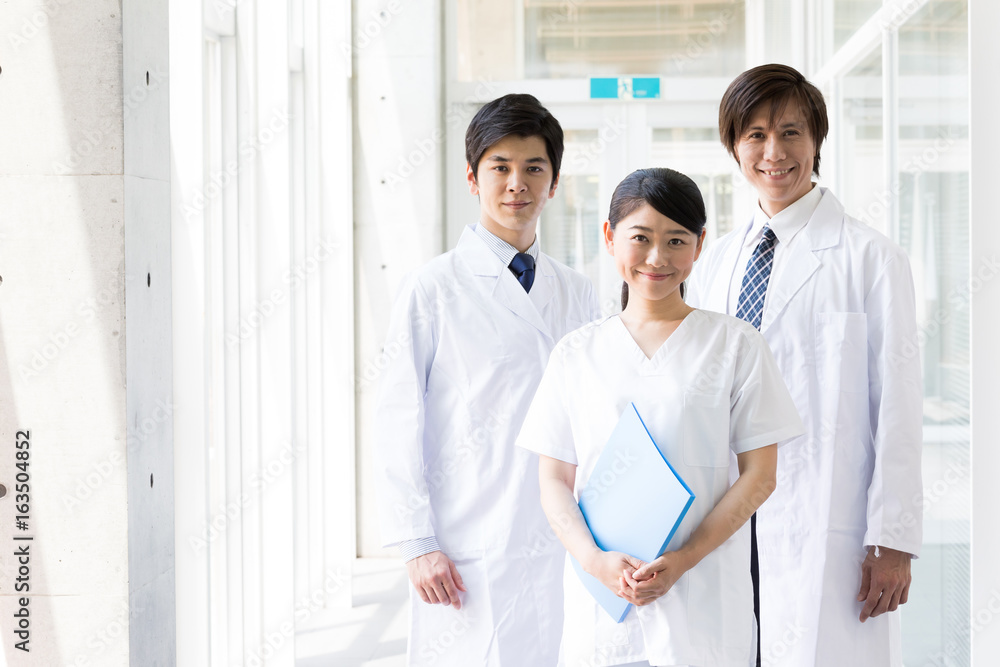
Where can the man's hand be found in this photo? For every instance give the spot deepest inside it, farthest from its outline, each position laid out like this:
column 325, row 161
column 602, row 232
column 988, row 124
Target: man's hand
column 885, row 581
column 436, row 579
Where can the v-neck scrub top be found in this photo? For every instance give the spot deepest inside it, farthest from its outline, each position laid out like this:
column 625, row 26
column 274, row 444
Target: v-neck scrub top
column 712, row 390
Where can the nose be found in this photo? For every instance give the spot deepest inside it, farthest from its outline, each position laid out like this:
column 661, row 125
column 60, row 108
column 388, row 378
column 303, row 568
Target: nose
column 657, row 256
column 774, row 150
column 515, row 181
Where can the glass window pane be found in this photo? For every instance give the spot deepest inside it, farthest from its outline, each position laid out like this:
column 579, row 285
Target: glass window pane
column 849, row 15
column 934, row 230
column 860, row 145
column 547, row 39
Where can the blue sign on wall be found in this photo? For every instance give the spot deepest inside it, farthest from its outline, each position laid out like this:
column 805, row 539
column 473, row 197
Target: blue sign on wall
column 625, row 87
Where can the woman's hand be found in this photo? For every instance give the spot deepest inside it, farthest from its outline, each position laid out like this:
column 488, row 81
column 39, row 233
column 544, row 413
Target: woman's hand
column 609, row 567
column 652, row 580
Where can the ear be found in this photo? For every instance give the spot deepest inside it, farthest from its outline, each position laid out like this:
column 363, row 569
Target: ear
column 552, row 188
column 701, row 240
column 609, row 238
column 471, row 177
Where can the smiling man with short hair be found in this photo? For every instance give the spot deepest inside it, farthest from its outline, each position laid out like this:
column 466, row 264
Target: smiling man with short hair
column 475, row 327
column 835, row 301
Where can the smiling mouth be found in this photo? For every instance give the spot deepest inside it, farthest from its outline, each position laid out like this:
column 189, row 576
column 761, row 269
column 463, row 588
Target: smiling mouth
column 780, row 172
column 656, row 276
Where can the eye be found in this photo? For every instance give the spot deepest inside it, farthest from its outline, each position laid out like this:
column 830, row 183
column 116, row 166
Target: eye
column 535, row 169
column 676, row 242
column 641, row 238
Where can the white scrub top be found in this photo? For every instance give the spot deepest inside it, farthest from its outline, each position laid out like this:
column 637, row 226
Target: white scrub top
column 711, row 390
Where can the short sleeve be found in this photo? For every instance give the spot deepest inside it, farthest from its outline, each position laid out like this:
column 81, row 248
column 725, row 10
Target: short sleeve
column 547, row 428
column 761, row 409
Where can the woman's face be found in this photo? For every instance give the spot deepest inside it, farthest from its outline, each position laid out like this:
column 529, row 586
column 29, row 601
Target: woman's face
column 653, row 254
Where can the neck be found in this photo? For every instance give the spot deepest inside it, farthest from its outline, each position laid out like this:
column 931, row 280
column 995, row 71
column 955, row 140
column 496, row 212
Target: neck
column 639, row 310
column 521, row 239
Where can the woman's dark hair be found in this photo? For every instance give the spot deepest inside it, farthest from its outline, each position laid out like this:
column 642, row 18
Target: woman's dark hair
column 669, row 192
column 774, row 86
column 518, row 114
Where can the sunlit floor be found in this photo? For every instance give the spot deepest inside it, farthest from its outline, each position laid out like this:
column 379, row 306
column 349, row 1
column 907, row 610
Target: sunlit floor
column 373, row 633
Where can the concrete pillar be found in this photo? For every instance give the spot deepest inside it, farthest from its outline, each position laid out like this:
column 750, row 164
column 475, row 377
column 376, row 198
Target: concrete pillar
column 85, row 383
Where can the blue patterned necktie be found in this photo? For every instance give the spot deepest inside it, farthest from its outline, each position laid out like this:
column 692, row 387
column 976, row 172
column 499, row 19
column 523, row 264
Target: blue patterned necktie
column 750, row 306
column 523, row 266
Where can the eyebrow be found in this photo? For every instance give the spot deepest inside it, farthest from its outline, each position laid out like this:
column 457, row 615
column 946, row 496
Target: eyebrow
column 672, row 232
column 782, row 127
column 500, row 158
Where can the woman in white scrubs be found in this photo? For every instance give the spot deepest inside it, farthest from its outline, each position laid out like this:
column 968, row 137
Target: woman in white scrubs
column 707, row 388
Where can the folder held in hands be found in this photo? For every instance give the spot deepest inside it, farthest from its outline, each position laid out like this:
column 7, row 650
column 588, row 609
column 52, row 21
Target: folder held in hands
column 633, row 503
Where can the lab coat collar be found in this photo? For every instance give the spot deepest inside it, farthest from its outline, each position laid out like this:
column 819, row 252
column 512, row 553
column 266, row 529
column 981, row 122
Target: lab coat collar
column 822, row 230
column 787, row 222
column 503, row 286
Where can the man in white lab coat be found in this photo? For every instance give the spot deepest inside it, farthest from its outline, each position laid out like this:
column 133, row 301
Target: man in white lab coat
column 835, row 301
column 473, row 330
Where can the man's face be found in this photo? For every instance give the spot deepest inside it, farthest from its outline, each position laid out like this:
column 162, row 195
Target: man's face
column 777, row 160
column 515, row 180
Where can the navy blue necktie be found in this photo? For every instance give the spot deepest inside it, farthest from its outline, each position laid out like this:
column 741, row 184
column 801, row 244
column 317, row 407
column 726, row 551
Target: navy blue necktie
column 750, row 306
column 523, row 266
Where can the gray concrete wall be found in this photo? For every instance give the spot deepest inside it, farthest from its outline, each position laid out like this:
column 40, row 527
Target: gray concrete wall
column 62, row 331
column 84, row 349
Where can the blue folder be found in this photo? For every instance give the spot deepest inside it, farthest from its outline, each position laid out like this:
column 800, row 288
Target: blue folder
column 633, row 503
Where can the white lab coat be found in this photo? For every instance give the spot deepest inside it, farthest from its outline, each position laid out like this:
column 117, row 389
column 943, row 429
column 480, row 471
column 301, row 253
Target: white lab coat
column 710, row 391
column 467, row 348
column 840, row 320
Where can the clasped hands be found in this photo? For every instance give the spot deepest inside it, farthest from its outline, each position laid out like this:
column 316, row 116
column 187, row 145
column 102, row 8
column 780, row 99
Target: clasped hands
column 635, row 581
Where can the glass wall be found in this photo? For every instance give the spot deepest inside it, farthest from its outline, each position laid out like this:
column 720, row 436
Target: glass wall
column 552, row 39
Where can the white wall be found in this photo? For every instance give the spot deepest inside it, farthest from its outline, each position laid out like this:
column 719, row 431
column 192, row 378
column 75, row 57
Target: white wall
column 399, row 152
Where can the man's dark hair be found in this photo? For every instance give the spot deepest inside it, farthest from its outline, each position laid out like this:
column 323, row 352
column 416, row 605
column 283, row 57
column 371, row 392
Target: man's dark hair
column 776, row 86
column 518, row 114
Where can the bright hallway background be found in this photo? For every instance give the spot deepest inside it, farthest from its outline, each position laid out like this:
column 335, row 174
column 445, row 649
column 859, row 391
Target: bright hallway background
column 249, row 181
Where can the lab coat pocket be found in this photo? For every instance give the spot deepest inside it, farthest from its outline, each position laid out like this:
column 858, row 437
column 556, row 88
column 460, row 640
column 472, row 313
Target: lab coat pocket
column 705, row 430
column 842, row 351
